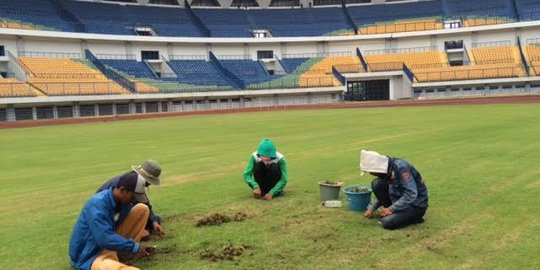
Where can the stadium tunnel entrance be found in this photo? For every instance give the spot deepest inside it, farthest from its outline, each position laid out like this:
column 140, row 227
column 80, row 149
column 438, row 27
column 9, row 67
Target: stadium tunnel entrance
column 368, row 90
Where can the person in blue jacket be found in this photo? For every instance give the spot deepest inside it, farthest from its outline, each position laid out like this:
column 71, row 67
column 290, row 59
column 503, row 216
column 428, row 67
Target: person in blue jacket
column 150, row 170
column 398, row 188
column 96, row 240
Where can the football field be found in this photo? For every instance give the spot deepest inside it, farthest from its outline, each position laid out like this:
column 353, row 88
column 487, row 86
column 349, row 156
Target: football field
column 480, row 164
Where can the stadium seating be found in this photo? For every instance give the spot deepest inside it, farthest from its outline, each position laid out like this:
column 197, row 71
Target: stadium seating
column 482, row 12
column 251, row 72
column 64, row 76
column 533, row 52
column 10, row 87
column 394, row 61
column 496, row 55
column 132, row 68
column 123, row 19
column 529, row 10
column 402, row 26
column 488, row 62
column 302, row 22
column 191, row 72
column 33, row 14
column 226, row 22
column 415, row 16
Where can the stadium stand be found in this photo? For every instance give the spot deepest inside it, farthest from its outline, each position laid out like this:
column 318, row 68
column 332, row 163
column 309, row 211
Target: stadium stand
column 398, row 17
column 432, row 65
column 124, row 19
column 65, row 76
column 474, row 13
column 226, row 22
column 533, row 52
column 422, row 57
column 528, row 10
column 10, row 87
column 191, row 72
column 133, row 19
column 302, row 22
column 33, row 14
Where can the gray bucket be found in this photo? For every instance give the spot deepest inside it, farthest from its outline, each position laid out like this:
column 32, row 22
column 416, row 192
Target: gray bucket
column 329, row 192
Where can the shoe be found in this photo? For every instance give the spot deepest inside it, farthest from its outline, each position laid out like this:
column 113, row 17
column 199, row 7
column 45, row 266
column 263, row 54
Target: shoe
column 420, row 220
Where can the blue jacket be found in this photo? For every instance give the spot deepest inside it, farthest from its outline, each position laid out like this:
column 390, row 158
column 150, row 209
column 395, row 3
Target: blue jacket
column 125, row 208
column 406, row 187
column 95, row 231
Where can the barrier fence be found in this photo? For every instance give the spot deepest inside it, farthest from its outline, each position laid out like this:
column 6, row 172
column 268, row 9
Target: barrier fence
column 468, row 74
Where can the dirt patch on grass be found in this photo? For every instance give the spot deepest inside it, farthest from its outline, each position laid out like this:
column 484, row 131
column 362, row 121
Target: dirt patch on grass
column 228, row 252
column 217, row 219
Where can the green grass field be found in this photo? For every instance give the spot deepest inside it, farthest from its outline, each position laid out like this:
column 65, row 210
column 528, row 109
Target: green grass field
column 480, row 164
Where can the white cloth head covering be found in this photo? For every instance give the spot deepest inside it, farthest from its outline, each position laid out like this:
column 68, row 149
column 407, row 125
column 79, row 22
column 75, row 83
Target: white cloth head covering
column 371, row 161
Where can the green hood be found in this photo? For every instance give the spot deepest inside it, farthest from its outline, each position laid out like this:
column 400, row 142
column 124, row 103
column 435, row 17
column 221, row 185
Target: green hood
column 266, row 148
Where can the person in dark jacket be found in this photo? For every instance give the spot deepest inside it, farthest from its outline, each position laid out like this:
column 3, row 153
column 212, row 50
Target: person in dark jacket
column 398, row 188
column 96, row 239
column 150, row 171
column 266, row 171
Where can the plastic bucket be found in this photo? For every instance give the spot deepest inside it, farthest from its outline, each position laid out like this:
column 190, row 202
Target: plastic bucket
column 329, row 192
column 358, row 201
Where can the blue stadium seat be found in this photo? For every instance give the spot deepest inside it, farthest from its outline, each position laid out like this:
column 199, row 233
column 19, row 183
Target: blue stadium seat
column 38, row 12
column 370, row 14
column 122, row 19
column 529, row 10
column 130, row 67
column 248, row 71
column 198, row 72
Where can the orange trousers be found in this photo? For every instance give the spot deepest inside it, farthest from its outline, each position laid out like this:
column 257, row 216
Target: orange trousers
column 132, row 227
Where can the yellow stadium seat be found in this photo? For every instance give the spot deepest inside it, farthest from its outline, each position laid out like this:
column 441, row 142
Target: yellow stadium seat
column 64, row 76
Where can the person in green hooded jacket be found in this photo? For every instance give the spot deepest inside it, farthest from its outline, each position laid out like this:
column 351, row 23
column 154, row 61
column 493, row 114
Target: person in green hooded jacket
column 266, row 171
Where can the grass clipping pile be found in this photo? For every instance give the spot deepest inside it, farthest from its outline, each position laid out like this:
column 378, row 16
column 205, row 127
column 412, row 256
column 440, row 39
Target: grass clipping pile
column 228, row 252
column 217, row 219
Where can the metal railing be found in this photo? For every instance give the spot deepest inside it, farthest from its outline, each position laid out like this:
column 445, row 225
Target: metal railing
column 402, row 50
column 349, row 68
column 105, row 56
column 65, row 75
column 49, row 54
column 79, row 88
column 533, row 41
column 502, row 43
column 399, row 27
column 187, row 57
column 495, row 61
column 15, row 89
column 315, row 55
column 468, row 74
column 233, row 56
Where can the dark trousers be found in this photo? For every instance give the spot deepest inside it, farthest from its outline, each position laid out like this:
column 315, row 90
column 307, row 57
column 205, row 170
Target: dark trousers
column 266, row 176
column 410, row 215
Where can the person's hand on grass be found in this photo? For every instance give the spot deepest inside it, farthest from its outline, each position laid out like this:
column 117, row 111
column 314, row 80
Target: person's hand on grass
column 257, row 193
column 386, row 212
column 143, row 252
column 157, row 228
column 368, row 213
column 268, row 196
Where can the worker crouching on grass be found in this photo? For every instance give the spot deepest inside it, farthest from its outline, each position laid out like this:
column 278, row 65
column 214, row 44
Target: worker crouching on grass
column 266, row 171
column 96, row 239
column 399, row 189
column 150, row 171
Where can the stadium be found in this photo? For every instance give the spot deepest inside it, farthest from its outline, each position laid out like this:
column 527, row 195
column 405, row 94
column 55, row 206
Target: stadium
column 450, row 85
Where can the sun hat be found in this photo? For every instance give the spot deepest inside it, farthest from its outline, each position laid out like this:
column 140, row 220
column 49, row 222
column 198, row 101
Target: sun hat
column 135, row 183
column 150, row 170
column 371, row 161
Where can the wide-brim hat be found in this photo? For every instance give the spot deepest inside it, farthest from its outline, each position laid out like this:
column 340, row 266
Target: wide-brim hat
column 373, row 162
column 150, row 170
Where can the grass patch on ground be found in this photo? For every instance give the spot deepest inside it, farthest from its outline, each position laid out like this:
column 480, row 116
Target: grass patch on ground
column 479, row 163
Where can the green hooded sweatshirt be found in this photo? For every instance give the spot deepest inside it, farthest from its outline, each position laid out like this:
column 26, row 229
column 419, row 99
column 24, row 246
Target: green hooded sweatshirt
column 266, row 148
